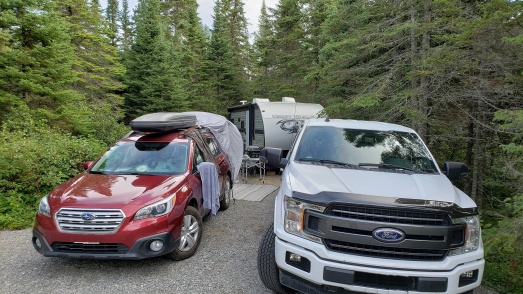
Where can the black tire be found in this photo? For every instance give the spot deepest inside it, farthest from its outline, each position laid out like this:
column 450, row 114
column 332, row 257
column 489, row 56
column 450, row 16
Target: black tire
column 267, row 268
column 225, row 201
column 190, row 236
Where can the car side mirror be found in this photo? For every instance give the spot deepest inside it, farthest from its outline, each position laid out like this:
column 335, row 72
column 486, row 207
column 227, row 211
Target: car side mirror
column 455, row 170
column 86, row 165
column 274, row 156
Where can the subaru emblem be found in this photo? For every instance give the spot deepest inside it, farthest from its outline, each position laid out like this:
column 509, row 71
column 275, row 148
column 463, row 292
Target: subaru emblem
column 88, row 216
column 388, row 235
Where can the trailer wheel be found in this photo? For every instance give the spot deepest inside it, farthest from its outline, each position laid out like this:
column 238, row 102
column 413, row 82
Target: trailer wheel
column 267, row 268
column 190, row 236
column 227, row 192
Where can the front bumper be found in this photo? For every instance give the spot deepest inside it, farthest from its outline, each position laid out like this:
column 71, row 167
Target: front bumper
column 327, row 276
column 94, row 250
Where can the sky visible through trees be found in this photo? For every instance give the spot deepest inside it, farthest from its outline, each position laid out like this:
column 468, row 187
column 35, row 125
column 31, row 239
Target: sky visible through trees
column 205, row 11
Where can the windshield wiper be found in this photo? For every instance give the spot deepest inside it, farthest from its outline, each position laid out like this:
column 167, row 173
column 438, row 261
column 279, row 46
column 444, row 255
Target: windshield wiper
column 328, row 161
column 97, row 172
column 389, row 166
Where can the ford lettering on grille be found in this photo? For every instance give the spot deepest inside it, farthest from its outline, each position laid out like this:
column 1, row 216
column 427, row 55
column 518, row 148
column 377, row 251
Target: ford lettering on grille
column 388, row 235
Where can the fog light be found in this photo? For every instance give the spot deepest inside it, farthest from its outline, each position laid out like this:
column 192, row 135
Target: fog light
column 294, row 257
column 156, row 245
column 38, row 243
column 298, row 261
column 468, row 278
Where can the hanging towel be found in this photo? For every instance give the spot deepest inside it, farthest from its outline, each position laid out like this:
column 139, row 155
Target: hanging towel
column 210, row 186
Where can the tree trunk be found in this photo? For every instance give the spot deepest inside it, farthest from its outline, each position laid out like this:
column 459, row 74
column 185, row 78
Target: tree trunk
column 475, row 175
column 469, row 155
column 413, row 60
column 424, row 81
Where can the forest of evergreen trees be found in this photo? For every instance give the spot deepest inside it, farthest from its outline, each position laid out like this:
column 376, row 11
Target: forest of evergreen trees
column 72, row 75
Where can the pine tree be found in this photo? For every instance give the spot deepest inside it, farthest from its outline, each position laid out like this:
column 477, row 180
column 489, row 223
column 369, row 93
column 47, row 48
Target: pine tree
column 111, row 15
column 220, row 67
column 315, row 14
column 36, row 58
column 127, row 28
column 262, row 55
column 239, row 37
column 190, row 44
column 96, row 64
column 152, row 66
column 289, row 52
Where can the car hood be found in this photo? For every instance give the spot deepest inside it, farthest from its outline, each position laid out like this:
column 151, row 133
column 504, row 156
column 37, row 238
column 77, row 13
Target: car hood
column 112, row 191
column 312, row 179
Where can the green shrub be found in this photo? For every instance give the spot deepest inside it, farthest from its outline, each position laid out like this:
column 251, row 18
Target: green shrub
column 503, row 242
column 33, row 160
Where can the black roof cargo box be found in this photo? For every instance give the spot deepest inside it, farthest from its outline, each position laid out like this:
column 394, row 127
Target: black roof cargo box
column 163, row 122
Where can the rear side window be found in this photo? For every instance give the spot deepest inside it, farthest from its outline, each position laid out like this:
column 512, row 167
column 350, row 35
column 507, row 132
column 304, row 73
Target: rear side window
column 214, row 146
column 198, row 158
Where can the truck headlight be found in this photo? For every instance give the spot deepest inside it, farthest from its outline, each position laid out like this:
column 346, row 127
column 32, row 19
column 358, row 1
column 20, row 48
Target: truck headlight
column 472, row 234
column 294, row 217
column 156, row 209
column 44, row 208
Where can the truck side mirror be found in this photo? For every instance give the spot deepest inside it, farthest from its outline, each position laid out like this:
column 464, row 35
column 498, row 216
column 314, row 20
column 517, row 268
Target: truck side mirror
column 283, row 162
column 455, row 170
column 274, row 156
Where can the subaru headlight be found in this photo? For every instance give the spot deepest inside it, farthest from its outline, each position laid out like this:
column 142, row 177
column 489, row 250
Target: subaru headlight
column 156, row 209
column 294, row 217
column 43, row 207
column 472, row 234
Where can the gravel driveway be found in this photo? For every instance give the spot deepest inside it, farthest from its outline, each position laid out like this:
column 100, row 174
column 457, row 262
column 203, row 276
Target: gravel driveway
column 224, row 263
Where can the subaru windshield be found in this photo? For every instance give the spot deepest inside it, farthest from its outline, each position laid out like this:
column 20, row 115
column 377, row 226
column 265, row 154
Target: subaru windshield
column 154, row 158
column 383, row 150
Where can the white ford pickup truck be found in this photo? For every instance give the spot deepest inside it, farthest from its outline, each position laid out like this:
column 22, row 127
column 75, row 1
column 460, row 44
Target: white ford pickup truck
column 364, row 208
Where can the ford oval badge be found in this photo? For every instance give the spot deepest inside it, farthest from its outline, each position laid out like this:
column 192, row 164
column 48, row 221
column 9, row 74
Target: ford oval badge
column 388, row 235
column 88, row 216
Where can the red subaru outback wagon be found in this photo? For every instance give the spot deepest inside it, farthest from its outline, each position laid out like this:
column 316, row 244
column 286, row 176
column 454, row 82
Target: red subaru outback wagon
column 142, row 198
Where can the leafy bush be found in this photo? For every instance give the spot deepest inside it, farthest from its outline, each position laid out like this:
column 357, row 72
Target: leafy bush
column 503, row 242
column 33, row 160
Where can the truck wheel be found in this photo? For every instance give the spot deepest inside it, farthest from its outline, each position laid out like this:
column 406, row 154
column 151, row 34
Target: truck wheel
column 267, row 268
column 190, row 236
column 226, row 200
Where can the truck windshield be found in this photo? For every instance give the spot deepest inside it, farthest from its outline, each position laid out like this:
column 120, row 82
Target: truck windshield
column 365, row 148
column 155, row 158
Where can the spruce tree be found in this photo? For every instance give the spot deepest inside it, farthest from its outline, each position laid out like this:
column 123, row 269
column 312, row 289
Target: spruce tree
column 262, row 55
column 126, row 37
column 190, row 44
column 152, row 66
column 36, row 59
column 315, row 14
column 290, row 66
column 239, row 37
column 111, row 15
column 220, row 67
column 97, row 65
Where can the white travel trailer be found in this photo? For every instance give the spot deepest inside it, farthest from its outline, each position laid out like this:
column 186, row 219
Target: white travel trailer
column 263, row 123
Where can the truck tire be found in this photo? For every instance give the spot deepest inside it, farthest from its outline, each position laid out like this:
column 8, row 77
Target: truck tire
column 190, row 236
column 267, row 268
column 227, row 194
